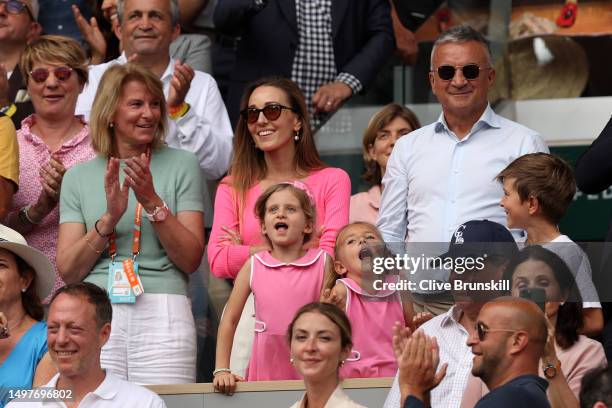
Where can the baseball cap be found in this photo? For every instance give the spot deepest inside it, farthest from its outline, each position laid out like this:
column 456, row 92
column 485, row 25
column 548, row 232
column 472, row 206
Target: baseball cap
column 479, row 238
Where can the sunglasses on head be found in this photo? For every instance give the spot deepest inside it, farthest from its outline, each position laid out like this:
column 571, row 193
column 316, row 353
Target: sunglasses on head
column 271, row 112
column 447, row 72
column 16, row 7
column 482, row 330
column 40, row 75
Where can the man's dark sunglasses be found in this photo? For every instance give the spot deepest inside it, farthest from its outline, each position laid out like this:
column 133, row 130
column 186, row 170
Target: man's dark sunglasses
column 447, row 72
column 271, row 112
column 482, row 330
column 16, row 7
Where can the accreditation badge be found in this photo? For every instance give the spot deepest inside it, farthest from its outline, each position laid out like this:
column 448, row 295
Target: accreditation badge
column 120, row 279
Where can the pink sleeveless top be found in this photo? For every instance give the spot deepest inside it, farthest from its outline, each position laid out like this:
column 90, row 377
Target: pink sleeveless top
column 280, row 289
column 372, row 317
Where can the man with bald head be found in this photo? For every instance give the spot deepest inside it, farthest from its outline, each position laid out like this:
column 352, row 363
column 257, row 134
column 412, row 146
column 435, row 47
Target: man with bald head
column 507, row 344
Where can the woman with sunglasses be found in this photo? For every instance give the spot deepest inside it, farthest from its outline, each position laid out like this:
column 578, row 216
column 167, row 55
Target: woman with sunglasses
column 132, row 223
column 51, row 140
column 385, row 128
column 273, row 143
column 568, row 355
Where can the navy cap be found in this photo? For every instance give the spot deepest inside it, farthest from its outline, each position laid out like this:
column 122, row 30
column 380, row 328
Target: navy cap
column 480, row 237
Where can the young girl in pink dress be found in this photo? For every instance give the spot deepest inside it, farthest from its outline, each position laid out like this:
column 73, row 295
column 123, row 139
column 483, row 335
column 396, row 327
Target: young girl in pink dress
column 282, row 280
column 372, row 313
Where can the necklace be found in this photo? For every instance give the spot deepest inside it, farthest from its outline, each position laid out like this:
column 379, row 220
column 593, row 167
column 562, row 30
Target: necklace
column 6, row 331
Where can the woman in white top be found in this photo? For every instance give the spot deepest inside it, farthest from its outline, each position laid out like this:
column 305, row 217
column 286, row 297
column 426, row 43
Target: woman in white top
column 320, row 341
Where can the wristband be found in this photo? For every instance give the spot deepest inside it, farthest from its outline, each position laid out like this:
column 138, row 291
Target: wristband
column 179, row 111
column 99, row 233
column 221, row 370
column 23, row 215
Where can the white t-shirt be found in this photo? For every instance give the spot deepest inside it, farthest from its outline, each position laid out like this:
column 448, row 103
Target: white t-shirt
column 578, row 263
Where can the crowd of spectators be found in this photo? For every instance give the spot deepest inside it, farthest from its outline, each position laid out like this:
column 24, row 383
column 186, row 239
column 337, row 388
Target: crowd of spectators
column 116, row 122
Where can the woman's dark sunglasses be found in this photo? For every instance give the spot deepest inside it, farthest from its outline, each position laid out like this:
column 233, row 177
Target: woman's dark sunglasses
column 271, row 112
column 447, row 72
column 40, row 75
column 482, row 330
column 16, row 7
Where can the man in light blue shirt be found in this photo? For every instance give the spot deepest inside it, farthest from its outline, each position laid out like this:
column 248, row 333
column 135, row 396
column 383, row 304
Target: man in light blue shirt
column 443, row 174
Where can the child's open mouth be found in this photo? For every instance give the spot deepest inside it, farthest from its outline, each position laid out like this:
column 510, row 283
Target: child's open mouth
column 365, row 253
column 281, row 226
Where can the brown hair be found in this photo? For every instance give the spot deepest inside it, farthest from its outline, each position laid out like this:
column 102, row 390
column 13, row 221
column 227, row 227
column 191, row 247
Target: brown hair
column 307, row 205
column 248, row 164
column 55, row 49
column 106, row 101
column 382, row 118
column 92, row 294
column 333, row 313
column 546, row 177
column 29, row 299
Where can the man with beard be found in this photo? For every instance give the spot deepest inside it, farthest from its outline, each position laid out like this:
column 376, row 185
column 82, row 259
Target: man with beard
column 507, row 344
column 494, row 244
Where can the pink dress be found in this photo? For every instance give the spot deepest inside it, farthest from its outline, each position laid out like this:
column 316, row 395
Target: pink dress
column 331, row 188
column 372, row 317
column 280, row 289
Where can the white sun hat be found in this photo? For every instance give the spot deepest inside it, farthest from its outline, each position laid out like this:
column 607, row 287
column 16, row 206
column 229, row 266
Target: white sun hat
column 14, row 242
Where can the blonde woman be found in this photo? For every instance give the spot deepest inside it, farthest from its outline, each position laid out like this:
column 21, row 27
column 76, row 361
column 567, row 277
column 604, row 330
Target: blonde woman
column 136, row 209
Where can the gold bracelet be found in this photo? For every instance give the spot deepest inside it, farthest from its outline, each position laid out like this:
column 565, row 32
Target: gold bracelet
column 92, row 247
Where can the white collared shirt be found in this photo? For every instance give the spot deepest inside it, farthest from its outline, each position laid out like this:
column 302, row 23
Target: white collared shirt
column 435, row 182
column 452, row 341
column 205, row 130
column 112, row 392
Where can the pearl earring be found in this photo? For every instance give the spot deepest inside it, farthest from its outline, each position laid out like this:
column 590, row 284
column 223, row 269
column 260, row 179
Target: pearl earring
column 291, row 360
column 23, row 290
column 296, row 135
column 111, row 125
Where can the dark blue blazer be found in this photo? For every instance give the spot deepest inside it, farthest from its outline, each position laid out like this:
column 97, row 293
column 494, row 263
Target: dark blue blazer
column 361, row 30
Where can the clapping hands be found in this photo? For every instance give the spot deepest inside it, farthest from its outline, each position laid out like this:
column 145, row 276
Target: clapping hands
column 418, row 364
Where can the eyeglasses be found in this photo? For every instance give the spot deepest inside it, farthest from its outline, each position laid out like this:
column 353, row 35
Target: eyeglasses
column 482, row 330
column 271, row 112
column 470, row 71
column 16, row 7
column 40, row 75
